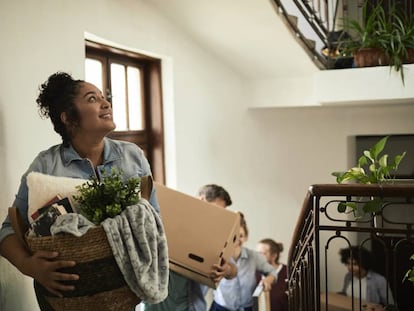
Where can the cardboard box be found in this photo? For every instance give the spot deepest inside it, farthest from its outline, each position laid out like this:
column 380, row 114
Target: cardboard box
column 338, row 302
column 199, row 234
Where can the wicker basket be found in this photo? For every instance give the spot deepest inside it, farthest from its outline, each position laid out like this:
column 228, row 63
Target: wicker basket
column 101, row 285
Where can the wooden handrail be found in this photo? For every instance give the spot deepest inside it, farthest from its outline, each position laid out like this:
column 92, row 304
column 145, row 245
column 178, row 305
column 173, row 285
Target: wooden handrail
column 377, row 190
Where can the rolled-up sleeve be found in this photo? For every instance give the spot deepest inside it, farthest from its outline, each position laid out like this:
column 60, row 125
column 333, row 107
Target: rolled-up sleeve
column 20, row 203
column 21, row 199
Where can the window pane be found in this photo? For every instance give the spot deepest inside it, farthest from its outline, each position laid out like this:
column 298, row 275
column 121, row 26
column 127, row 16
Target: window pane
column 93, row 72
column 118, row 86
column 134, row 99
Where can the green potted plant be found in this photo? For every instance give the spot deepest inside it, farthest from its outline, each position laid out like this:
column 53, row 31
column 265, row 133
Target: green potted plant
column 379, row 171
column 373, row 168
column 381, row 38
column 100, row 199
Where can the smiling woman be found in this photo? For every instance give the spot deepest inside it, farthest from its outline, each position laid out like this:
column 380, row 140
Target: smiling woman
column 83, row 118
column 94, row 115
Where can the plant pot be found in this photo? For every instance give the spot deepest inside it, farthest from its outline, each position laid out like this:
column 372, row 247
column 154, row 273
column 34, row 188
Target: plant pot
column 370, row 57
column 410, row 57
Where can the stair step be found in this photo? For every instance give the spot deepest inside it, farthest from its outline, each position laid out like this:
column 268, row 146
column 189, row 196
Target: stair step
column 293, row 19
column 310, row 43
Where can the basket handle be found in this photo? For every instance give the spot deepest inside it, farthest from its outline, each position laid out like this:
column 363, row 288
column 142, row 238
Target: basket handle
column 18, row 225
column 146, row 187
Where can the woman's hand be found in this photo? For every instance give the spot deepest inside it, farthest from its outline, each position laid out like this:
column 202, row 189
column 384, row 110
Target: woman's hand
column 43, row 267
column 267, row 282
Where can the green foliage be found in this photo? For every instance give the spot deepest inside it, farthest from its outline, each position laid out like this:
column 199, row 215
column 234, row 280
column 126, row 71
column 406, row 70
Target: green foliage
column 379, row 169
column 100, row 199
column 373, row 168
column 390, row 32
column 409, row 276
column 366, row 34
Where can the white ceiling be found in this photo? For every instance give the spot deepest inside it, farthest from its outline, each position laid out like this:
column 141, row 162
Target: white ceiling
column 247, row 34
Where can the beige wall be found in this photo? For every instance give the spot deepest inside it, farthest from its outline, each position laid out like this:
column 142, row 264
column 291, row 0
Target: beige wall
column 266, row 158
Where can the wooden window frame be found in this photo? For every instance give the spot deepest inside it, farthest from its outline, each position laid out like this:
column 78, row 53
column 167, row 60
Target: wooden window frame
column 151, row 140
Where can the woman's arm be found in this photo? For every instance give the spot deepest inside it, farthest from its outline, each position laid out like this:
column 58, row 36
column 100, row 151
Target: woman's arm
column 267, row 282
column 41, row 266
column 266, row 269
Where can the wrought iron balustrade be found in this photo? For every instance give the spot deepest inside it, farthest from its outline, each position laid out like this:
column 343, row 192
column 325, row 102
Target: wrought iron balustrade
column 321, row 231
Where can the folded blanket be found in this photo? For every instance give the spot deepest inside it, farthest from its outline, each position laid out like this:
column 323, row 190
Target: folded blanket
column 72, row 223
column 139, row 245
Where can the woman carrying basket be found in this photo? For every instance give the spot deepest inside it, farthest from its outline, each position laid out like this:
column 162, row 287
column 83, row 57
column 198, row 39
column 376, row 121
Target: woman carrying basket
column 82, row 116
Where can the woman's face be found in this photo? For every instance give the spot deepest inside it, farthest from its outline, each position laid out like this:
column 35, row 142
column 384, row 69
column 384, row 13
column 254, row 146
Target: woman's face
column 242, row 237
column 95, row 112
column 264, row 249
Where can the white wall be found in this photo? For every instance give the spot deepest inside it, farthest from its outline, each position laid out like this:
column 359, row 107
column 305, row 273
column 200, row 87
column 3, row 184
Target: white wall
column 266, row 158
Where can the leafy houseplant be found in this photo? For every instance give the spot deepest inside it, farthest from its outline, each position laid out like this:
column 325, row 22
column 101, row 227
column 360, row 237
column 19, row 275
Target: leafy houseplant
column 100, row 199
column 387, row 37
column 379, row 171
column 410, row 273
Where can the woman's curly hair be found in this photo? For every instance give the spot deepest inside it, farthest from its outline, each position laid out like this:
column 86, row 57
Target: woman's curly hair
column 57, row 95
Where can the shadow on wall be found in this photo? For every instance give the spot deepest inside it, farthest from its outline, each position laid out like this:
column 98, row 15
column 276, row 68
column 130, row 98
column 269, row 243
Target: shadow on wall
column 16, row 290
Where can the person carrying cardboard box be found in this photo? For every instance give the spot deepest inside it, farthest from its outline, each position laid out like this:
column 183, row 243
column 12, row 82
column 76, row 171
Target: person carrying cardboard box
column 188, row 295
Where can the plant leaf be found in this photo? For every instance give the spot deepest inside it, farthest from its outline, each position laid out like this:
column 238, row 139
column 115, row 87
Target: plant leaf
column 343, row 206
column 372, row 206
column 378, row 147
column 362, row 161
column 383, row 160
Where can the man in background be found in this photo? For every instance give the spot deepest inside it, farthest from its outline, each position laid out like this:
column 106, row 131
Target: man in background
column 185, row 294
column 215, row 194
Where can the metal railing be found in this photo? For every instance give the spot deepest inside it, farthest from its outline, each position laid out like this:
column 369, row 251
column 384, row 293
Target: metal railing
column 318, row 23
column 314, row 261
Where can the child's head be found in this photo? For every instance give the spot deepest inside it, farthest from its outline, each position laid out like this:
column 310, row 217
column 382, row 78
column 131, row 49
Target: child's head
column 356, row 259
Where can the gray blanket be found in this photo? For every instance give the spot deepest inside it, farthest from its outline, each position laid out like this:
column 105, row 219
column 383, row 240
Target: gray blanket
column 139, row 245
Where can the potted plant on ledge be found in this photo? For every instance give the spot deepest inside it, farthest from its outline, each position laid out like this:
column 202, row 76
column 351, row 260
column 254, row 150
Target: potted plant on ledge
column 378, row 170
column 382, row 38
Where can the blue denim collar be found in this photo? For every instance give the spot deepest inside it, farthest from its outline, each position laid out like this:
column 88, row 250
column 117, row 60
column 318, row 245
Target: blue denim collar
column 111, row 153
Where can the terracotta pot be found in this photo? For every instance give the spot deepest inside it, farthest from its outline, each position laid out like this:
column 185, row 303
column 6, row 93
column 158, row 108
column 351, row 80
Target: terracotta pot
column 369, row 57
column 410, row 57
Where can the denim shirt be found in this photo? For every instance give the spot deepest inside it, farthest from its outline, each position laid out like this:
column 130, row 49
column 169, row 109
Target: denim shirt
column 236, row 294
column 183, row 295
column 63, row 160
column 377, row 288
